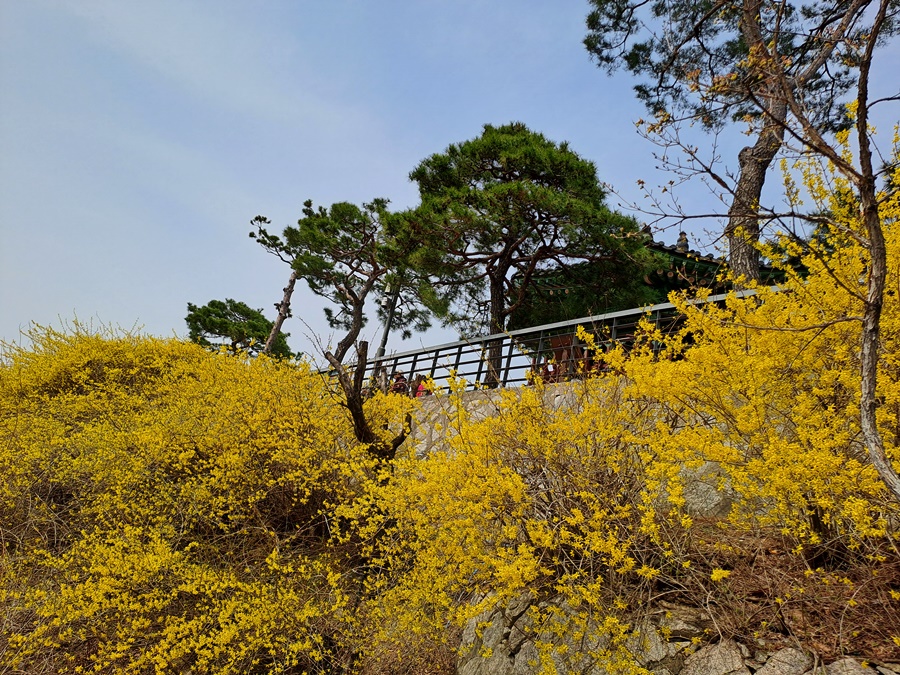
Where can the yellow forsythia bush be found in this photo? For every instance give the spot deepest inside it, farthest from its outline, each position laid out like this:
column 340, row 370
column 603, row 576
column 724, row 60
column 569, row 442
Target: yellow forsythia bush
column 165, row 509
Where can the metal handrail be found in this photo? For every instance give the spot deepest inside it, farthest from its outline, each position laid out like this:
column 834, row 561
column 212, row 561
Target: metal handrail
column 554, row 347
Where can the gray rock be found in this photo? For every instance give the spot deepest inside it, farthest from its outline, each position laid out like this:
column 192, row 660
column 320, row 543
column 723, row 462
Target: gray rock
column 501, row 636
column 647, row 645
column 654, row 653
column 848, row 666
column 788, row 661
column 683, row 622
column 719, row 659
column 492, row 666
column 703, row 495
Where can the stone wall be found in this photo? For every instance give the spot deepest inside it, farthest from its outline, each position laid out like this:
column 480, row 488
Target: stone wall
column 502, row 642
column 432, row 425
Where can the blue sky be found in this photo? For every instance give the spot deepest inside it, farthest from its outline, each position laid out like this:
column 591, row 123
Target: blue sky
column 138, row 139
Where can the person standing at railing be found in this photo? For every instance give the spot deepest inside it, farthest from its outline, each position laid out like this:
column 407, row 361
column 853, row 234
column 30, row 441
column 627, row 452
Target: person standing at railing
column 400, row 386
column 418, row 388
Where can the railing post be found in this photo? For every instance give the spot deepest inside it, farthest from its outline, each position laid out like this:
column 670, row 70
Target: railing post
column 434, row 363
column 509, row 354
column 481, row 358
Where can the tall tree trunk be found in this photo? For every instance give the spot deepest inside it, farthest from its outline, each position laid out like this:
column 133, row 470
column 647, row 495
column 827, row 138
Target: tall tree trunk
column 743, row 226
column 497, row 325
column 871, row 329
column 284, row 311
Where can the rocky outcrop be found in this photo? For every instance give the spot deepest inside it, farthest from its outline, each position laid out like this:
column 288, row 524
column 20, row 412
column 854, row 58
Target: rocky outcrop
column 503, row 642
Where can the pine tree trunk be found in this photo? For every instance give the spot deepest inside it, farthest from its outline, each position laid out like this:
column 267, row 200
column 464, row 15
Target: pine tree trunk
column 392, row 308
column 497, row 325
column 353, row 400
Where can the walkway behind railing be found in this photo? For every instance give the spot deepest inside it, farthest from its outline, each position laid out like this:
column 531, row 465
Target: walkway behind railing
column 553, row 349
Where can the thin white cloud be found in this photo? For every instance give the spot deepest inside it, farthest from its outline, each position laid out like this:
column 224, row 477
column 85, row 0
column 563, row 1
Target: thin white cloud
column 210, row 56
